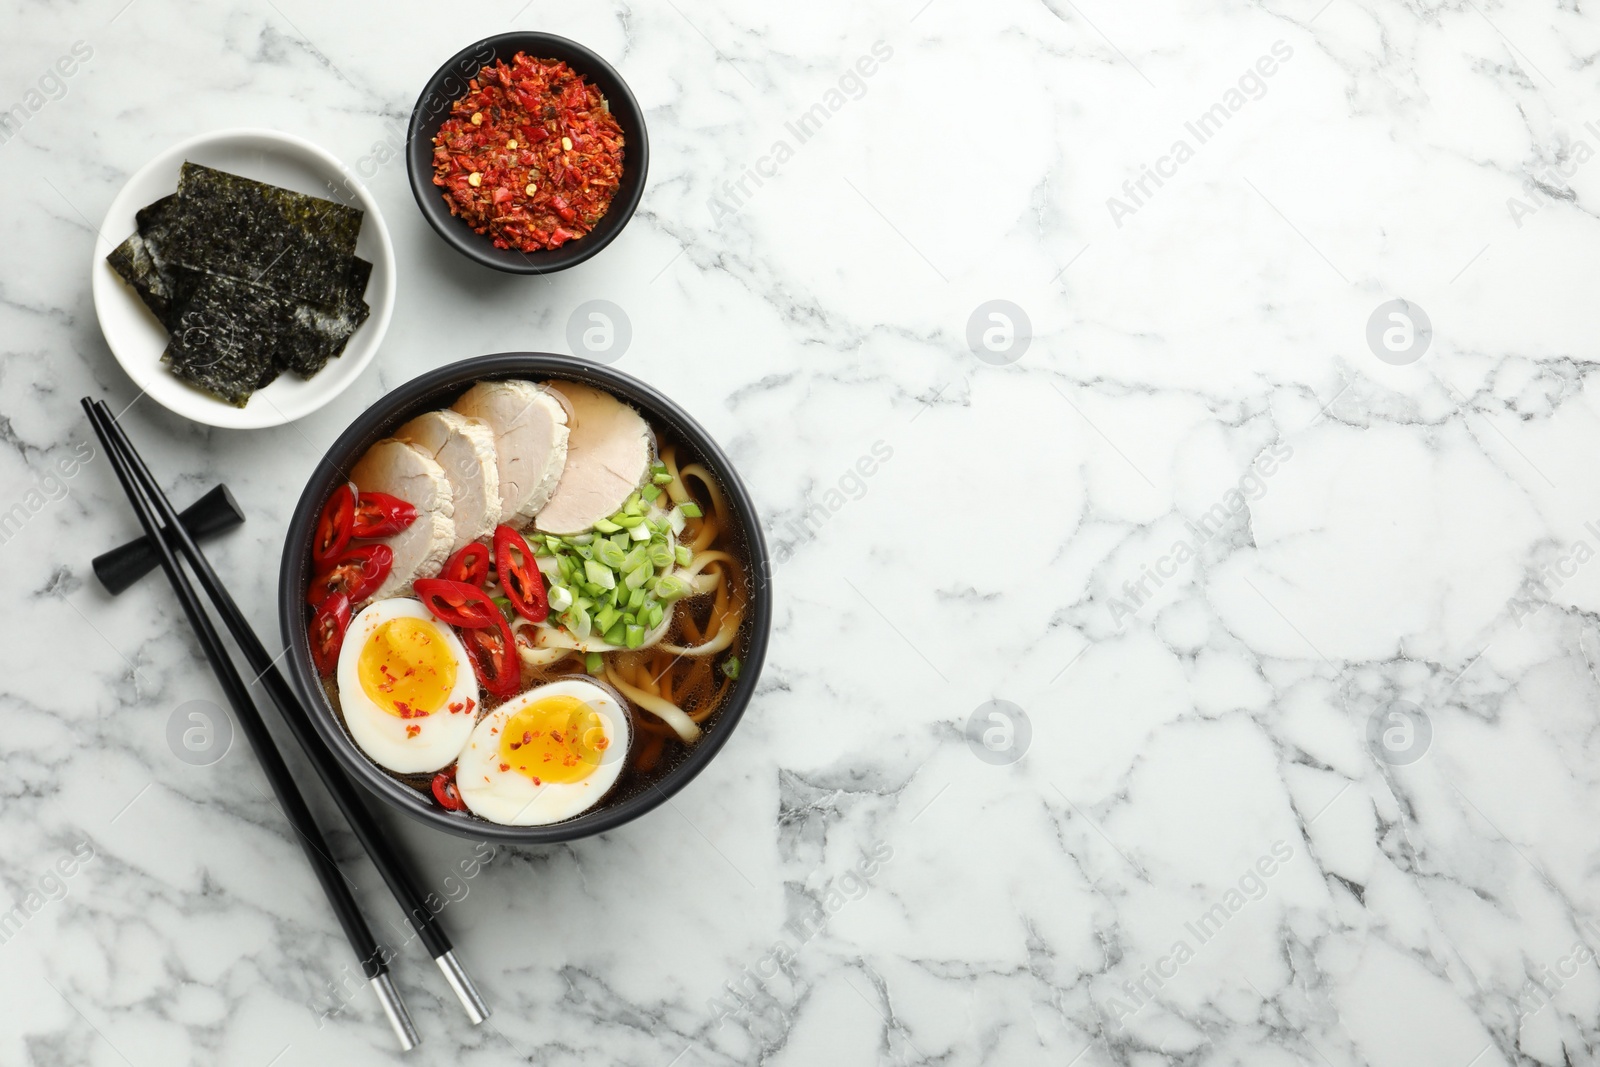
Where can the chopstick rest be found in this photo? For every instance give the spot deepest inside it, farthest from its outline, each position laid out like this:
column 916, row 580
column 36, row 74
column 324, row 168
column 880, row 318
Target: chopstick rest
column 214, row 513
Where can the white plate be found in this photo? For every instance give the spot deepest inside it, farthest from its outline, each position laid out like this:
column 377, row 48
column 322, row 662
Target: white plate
column 137, row 339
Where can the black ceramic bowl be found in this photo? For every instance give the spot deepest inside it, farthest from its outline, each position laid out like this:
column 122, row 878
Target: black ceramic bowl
column 449, row 84
column 438, row 389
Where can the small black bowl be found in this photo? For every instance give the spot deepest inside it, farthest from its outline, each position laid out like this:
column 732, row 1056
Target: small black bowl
column 449, row 84
column 440, row 388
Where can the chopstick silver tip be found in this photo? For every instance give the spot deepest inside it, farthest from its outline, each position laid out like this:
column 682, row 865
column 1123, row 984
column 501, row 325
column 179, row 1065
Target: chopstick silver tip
column 395, row 1010
column 466, row 991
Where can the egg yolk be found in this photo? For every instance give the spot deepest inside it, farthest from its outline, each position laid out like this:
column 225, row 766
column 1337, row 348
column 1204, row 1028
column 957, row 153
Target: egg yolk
column 406, row 668
column 556, row 739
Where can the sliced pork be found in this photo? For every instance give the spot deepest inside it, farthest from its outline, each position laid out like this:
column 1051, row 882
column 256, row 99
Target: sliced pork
column 531, row 440
column 465, row 448
column 406, row 471
column 608, row 456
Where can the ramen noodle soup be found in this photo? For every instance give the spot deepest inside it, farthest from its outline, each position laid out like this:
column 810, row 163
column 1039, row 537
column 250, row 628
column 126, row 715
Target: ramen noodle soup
column 530, row 604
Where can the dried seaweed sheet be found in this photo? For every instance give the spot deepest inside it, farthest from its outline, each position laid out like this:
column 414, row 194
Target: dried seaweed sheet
column 335, row 225
column 139, row 260
column 227, row 225
column 224, row 338
column 249, row 279
column 229, row 328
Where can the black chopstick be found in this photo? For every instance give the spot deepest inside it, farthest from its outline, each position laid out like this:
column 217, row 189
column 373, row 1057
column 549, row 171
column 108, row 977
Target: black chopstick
column 366, row 947
column 372, row 837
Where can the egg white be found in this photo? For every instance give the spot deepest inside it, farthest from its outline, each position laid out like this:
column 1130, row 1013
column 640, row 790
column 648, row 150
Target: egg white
column 510, row 797
column 382, row 736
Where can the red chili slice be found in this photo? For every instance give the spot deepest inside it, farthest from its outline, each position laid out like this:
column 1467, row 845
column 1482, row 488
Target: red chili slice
column 470, row 565
column 381, row 515
column 326, row 632
column 334, row 526
column 356, row 573
column 457, row 603
column 519, row 576
column 494, row 657
column 446, row 792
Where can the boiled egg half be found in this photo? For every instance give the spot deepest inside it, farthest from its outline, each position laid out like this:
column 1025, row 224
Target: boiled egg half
column 544, row 755
column 406, row 687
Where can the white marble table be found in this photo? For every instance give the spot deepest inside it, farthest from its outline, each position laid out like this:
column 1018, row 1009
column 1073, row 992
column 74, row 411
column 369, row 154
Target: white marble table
column 1305, row 638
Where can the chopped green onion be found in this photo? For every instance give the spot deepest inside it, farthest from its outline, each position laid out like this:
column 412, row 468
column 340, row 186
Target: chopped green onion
column 653, row 614
column 730, row 667
column 684, row 555
column 580, row 539
column 504, row 604
column 605, row 618
column 630, row 521
column 636, row 598
column 660, row 556
column 577, row 620
column 690, row 509
column 560, row 598
column 633, row 506
column 594, row 663
column 650, row 492
column 639, row 575
column 609, row 554
column 637, row 555
column 661, row 478
column 616, row 635
column 635, row 636
column 676, row 521
column 620, row 539
column 669, row 587
column 605, row 526
column 583, row 602
column 640, row 532
column 599, row 574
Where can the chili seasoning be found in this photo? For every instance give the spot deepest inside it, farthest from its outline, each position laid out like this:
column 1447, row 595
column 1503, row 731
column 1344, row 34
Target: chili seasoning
column 531, row 156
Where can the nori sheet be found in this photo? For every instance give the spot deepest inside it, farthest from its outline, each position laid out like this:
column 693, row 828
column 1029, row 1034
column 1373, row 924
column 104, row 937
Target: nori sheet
column 249, row 279
column 335, row 225
column 139, row 261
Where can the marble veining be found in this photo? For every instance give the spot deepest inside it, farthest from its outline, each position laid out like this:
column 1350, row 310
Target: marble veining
column 1179, row 658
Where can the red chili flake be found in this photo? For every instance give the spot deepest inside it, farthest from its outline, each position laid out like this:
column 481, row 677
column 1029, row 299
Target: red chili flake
column 535, row 123
column 413, row 731
column 504, row 767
